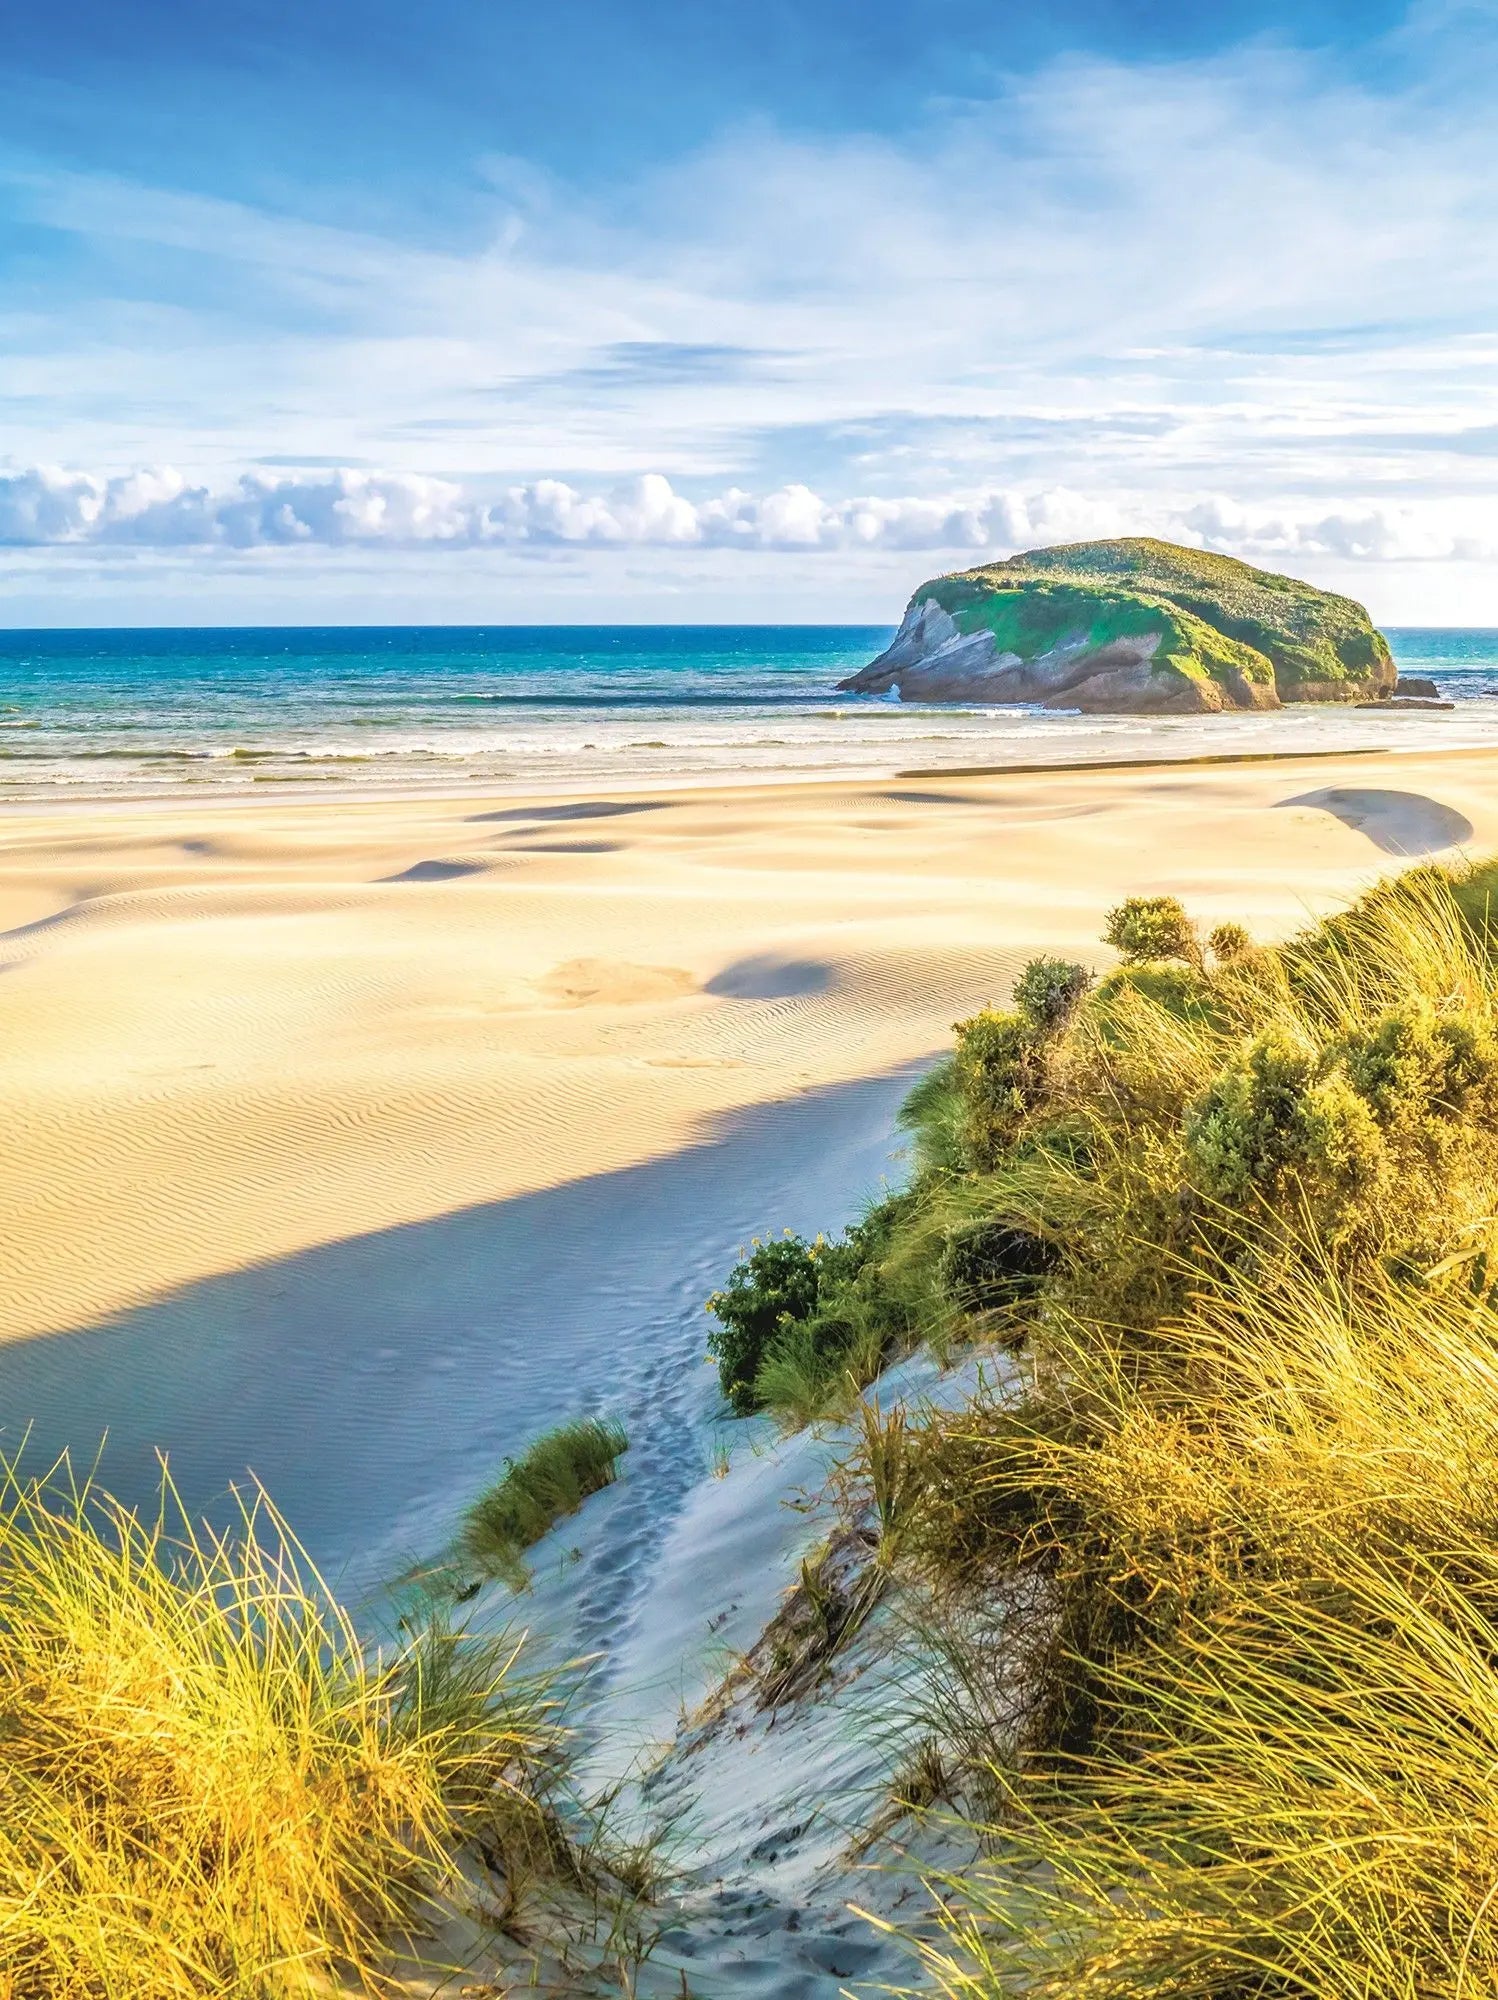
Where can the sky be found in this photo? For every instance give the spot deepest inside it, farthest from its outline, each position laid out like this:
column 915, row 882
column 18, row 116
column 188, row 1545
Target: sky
column 589, row 310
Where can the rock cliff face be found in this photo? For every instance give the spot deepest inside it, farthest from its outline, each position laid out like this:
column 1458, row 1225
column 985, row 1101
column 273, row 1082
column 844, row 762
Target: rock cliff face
column 1132, row 627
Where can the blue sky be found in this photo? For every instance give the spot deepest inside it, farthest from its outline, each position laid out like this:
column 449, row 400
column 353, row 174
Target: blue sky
column 585, row 310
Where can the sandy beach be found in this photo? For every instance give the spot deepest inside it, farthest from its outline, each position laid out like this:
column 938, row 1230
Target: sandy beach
column 236, row 1033
column 243, row 1038
column 354, row 1143
column 304, row 1097
column 233, row 1034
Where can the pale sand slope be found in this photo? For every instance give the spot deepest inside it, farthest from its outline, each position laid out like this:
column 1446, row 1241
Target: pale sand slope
column 233, row 1033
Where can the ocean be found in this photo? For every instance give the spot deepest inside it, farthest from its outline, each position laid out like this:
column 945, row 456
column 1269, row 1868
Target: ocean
column 88, row 714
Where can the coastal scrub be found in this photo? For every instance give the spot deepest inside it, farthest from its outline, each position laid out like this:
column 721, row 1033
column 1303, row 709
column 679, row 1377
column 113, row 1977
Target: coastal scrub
column 1210, row 1579
column 802, row 1326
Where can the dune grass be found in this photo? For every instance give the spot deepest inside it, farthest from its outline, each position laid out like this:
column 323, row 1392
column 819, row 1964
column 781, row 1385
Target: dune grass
column 207, row 1786
column 1260, row 1714
column 1213, row 1592
column 549, row 1480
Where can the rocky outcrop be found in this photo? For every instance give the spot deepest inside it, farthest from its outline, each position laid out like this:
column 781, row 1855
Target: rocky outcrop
column 1130, row 627
column 1415, row 687
column 1405, row 704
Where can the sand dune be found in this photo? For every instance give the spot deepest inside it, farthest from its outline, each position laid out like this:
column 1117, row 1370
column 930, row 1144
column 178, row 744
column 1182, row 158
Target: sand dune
column 356, row 1143
column 235, row 1032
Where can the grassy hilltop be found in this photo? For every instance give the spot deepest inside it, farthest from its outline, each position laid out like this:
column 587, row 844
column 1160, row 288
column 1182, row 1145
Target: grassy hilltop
column 1137, row 623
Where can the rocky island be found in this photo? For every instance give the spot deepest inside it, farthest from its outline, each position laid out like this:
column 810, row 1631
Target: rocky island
column 1130, row 627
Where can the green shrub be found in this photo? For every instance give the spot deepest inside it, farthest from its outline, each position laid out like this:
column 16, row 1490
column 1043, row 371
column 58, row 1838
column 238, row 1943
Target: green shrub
column 1414, row 1068
column 1001, row 1074
column 986, row 1264
column 550, row 1479
column 774, row 1287
column 1144, row 928
column 1229, row 942
column 1049, row 991
column 794, row 1315
column 1249, row 1128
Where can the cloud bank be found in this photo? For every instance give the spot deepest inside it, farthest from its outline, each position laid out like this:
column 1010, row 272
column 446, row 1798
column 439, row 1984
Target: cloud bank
column 157, row 508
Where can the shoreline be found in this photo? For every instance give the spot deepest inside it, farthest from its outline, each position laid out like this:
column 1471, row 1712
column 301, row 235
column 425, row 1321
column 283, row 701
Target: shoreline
column 297, row 790
column 287, row 796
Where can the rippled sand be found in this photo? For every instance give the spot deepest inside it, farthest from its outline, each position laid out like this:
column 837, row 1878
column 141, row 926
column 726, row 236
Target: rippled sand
column 233, row 1033
column 354, row 1142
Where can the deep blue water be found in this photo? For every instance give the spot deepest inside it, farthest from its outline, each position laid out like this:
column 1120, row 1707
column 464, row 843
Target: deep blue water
column 128, row 712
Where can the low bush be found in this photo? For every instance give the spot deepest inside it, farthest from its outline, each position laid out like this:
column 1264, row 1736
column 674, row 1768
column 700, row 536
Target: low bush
column 801, row 1325
column 1229, row 941
column 550, row 1479
column 1144, row 928
column 1001, row 1076
column 1049, row 991
column 777, row 1285
column 986, row 1265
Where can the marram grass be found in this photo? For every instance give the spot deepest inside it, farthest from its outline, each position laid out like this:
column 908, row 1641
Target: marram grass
column 549, row 1480
column 207, row 1787
column 1218, row 1582
column 1272, row 1571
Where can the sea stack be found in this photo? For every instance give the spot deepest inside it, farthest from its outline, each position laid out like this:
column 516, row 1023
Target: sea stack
column 1130, row 627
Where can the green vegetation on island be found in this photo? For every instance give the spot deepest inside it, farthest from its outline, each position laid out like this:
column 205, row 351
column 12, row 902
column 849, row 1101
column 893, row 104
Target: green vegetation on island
column 1134, row 624
column 1207, row 1572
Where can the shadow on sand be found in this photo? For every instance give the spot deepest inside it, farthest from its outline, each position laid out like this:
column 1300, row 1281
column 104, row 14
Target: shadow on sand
column 374, row 1384
column 583, row 809
column 1403, row 823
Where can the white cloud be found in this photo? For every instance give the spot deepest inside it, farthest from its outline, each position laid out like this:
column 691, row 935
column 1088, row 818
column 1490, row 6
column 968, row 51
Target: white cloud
column 1239, row 300
column 1175, row 237
column 44, row 507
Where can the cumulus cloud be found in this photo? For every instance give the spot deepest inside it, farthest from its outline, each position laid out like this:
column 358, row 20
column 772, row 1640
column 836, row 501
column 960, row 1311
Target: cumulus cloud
column 157, row 508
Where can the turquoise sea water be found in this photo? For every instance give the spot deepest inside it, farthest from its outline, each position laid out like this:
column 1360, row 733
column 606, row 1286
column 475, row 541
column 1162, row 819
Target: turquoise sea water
column 91, row 713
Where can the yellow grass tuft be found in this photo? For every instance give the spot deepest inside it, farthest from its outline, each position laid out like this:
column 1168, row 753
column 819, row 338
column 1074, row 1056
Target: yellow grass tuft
column 1272, row 1567
column 206, row 1786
